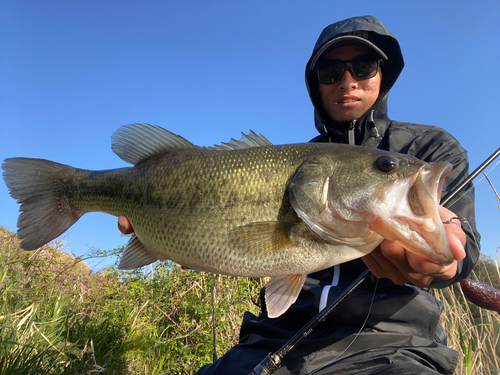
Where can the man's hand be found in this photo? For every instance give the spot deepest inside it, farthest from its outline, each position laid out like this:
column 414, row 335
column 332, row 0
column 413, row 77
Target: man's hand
column 390, row 260
column 124, row 225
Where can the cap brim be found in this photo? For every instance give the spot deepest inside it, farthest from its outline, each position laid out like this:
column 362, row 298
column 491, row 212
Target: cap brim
column 344, row 41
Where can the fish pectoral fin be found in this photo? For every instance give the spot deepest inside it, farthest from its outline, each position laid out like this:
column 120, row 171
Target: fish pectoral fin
column 282, row 292
column 262, row 238
column 135, row 255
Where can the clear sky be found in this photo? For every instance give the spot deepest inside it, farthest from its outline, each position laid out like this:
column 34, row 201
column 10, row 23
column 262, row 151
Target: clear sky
column 72, row 72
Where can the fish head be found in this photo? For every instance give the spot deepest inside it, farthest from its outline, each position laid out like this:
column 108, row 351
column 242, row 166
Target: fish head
column 358, row 196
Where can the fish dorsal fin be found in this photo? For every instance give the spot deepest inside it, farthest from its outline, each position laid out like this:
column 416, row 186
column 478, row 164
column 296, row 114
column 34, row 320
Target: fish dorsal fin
column 137, row 142
column 135, row 255
column 246, row 141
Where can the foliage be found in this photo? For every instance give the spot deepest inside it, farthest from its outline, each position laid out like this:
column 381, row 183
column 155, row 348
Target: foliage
column 472, row 331
column 56, row 316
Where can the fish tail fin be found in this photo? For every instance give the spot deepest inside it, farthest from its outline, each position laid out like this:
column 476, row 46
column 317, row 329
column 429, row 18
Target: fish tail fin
column 45, row 213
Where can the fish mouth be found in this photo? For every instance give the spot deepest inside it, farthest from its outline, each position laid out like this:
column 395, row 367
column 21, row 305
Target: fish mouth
column 416, row 224
column 426, row 189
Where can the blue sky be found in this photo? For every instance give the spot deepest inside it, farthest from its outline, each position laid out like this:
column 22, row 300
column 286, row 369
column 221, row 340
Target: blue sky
column 72, row 72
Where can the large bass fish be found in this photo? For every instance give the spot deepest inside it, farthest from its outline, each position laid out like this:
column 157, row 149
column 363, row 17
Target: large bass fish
column 244, row 208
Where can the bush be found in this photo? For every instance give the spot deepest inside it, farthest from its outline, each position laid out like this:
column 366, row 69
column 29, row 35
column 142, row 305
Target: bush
column 56, row 316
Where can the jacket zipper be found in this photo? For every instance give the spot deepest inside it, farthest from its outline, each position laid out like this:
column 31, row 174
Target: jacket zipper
column 351, row 135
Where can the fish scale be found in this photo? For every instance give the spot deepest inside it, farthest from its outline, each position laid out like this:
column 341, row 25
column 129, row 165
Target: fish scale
column 221, row 198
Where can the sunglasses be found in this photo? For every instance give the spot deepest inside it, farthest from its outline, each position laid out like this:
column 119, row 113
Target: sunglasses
column 360, row 68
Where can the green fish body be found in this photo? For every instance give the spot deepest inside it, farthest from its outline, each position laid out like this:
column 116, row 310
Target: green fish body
column 245, row 208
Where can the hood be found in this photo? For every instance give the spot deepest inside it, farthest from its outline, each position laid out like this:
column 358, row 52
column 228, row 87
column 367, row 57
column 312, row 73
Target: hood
column 374, row 32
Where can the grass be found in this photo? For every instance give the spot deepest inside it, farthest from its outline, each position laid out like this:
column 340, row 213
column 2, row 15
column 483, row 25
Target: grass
column 57, row 317
column 473, row 332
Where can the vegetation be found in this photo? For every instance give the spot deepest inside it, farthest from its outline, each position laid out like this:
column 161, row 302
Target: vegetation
column 473, row 332
column 56, row 316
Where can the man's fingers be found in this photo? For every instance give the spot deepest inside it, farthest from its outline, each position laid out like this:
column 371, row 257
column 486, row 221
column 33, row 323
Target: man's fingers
column 382, row 267
column 124, row 225
column 391, row 261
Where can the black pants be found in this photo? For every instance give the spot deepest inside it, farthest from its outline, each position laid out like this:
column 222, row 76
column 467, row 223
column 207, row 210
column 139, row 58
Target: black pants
column 370, row 352
column 401, row 334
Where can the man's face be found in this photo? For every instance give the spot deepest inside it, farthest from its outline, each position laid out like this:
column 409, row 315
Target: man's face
column 348, row 99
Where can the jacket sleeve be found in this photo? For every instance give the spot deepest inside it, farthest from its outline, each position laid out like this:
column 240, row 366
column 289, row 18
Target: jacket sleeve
column 438, row 145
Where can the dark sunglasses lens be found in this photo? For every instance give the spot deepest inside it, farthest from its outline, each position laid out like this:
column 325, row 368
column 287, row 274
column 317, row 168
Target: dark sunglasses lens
column 364, row 69
column 360, row 69
column 330, row 73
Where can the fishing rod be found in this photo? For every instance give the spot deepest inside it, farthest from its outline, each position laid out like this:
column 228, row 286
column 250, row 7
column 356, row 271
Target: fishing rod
column 273, row 361
column 471, row 177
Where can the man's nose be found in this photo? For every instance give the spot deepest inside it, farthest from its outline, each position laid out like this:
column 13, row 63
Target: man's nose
column 346, row 81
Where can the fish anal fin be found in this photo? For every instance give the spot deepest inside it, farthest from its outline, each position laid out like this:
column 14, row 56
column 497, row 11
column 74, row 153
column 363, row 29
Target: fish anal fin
column 262, row 238
column 282, row 292
column 135, row 255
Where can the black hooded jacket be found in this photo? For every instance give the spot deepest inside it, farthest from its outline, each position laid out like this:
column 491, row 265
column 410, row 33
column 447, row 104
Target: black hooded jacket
column 381, row 327
column 397, row 316
column 375, row 129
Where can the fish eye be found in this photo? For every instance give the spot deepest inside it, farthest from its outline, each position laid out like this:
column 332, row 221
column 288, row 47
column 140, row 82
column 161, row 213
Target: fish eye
column 386, row 163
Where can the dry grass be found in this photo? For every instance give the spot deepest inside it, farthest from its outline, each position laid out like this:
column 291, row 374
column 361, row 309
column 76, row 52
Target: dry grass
column 473, row 332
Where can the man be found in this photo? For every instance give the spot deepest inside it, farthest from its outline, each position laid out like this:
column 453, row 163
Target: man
column 392, row 326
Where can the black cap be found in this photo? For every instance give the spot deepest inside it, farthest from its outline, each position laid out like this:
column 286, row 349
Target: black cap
column 356, row 38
